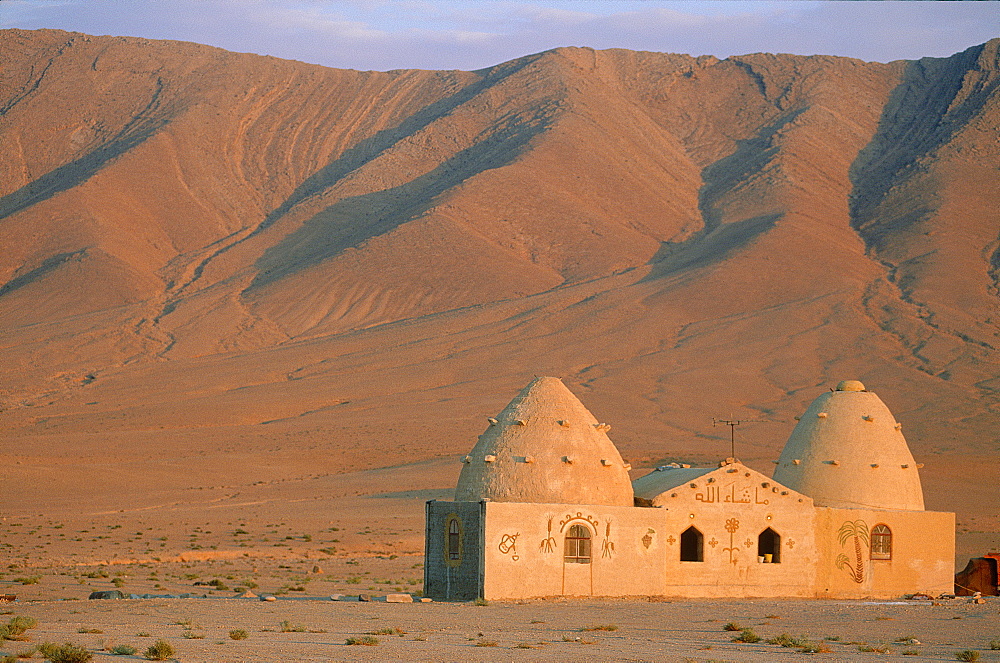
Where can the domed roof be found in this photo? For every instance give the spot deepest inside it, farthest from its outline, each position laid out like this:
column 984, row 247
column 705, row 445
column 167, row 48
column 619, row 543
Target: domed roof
column 545, row 447
column 848, row 451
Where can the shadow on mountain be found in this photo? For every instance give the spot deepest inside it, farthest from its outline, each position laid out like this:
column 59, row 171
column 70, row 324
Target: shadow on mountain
column 708, row 247
column 48, row 266
column 936, row 98
column 370, row 148
column 144, row 125
column 354, row 220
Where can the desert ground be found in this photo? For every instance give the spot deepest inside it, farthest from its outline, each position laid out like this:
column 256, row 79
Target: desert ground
column 309, row 540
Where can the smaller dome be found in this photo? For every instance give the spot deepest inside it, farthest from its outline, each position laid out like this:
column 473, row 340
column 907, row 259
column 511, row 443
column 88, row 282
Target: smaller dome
column 848, row 451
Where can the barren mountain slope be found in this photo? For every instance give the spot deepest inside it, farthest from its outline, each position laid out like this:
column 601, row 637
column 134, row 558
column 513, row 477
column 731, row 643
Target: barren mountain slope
column 216, row 261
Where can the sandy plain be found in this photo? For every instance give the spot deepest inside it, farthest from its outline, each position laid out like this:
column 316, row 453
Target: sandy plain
column 307, row 540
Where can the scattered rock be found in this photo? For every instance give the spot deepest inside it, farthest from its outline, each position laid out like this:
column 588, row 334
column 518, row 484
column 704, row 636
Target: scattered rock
column 8, row 598
column 424, row 599
column 317, row 570
column 268, row 597
column 107, row 594
column 398, row 598
column 364, row 597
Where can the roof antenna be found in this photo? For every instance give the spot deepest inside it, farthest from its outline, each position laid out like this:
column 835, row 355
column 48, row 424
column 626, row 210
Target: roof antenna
column 733, row 423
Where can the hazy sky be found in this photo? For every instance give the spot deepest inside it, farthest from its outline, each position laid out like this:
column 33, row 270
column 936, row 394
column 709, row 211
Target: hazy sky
column 469, row 34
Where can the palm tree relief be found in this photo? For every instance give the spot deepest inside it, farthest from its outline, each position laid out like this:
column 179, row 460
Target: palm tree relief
column 857, row 530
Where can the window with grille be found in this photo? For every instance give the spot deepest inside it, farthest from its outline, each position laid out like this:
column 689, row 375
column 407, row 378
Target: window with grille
column 454, row 539
column 577, row 549
column 881, row 540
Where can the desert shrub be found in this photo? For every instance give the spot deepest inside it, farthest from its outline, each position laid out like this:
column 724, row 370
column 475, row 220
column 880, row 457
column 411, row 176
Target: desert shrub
column 786, row 640
column 969, row 655
column 191, row 635
column 487, row 643
column 84, row 629
column 160, row 650
column 367, row 640
column 123, row 650
column 118, row 582
column 8, row 658
column 388, row 631
column 27, row 653
column 876, row 649
column 732, row 626
column 289, row 627
column 481, row 601
column 69, row 653
column 238, row 634
column 911, row 652
column 15, row 628
column 218, row 584
column 994, row 645
column 747, row 635
column 601, row 627
column 46, row 649
column 814, row 648
column 29, row 580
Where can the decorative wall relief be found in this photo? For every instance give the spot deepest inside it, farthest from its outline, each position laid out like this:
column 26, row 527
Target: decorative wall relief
column 732, row 526
column 508, row 545
column 548, row 544
column 858, row 530
column 733, row 495
column 608, row 547
column 647, row 539
column 579, row 516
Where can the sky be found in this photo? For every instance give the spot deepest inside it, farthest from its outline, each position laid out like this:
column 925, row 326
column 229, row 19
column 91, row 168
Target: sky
column 472, row 34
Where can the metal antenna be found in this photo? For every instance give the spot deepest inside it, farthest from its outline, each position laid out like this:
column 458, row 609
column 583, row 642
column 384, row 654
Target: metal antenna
column 733, row 423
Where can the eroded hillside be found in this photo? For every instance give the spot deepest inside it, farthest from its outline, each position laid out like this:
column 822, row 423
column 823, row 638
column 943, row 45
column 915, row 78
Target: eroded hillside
column 247, row 260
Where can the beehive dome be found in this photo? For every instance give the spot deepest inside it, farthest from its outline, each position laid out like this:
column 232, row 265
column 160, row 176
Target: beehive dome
column 848, row 451
column 545, row 447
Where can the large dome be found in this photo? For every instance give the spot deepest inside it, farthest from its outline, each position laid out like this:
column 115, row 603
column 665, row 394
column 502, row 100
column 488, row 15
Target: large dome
column 848, row 451
column 545, row 447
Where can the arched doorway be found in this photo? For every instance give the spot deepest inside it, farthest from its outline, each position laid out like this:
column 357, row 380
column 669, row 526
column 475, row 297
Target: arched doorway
column 578, row 574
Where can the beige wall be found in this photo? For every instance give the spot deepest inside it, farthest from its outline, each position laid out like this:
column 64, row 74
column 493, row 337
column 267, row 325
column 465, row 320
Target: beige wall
column 923, row 549
column 636, row 551
column 524, row 551
column 731, row 506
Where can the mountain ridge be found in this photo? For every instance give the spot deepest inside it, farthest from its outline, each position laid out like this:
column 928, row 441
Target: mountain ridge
column 675, row 236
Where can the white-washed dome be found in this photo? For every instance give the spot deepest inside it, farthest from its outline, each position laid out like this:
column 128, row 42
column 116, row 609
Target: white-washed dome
column 848, row 451
column 545, row 447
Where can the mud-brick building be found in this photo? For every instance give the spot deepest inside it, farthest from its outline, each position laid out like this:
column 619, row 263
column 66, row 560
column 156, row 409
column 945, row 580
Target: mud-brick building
column 544, row 507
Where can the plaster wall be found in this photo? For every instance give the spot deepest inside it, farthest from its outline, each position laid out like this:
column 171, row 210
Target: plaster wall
column 525, row 547
column 923, row 550
column 731, row 507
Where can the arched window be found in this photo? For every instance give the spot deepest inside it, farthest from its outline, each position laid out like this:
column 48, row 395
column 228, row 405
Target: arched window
column 577, row 549
column 692, row 545
column 769, row 543
column 453, row 541
column 881, row 539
